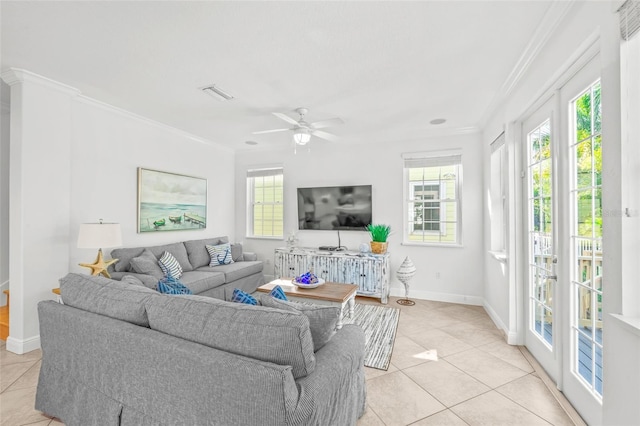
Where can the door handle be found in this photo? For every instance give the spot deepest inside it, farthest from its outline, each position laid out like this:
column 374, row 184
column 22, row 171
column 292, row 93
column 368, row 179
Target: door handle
column 551, row 277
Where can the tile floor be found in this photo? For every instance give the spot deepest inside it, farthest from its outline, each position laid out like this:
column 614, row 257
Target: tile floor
column 450, row 366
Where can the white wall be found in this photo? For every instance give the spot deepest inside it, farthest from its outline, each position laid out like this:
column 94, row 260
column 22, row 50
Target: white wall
column 338, row 163
column 4, row 195
column 75, row 160
column 109, row 145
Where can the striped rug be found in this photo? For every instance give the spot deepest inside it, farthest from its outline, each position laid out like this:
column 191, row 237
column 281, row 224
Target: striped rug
column 379, row 324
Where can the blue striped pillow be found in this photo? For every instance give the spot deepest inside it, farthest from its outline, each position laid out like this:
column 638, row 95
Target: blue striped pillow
column 170, row 266
column 278, row 293
column 240, row 296
column 220, row 254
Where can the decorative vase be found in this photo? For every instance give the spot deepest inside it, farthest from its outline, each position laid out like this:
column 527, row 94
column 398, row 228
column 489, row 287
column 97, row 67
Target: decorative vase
column 378, row 248
column 405, row 272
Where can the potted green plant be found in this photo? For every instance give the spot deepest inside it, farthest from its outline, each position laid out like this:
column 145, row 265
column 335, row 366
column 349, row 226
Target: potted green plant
column 379, row 235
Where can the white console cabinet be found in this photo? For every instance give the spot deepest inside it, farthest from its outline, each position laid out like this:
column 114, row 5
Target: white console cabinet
column 370, row 272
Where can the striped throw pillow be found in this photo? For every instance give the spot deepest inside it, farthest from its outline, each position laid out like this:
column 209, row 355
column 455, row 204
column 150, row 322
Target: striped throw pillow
column 170, row 266
column 220, row 254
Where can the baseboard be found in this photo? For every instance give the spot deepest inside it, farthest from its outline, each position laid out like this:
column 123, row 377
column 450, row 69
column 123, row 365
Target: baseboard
column 23, row 346
column 498, row 322
column 439, row 297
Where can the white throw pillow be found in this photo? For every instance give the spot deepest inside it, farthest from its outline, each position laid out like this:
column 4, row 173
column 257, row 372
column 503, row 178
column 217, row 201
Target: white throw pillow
column 220, row 254
column 170, row 265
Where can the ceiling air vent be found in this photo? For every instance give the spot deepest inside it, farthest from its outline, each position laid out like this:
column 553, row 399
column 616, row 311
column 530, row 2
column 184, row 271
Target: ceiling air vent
column 217, row 93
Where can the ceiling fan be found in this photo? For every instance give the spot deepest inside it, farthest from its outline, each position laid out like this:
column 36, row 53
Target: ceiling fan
column 302, row 130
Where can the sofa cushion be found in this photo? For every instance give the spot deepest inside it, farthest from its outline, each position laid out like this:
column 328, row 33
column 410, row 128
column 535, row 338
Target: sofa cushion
column 198, row 254
column 270, row 335
column 100, row 295
column 169, row 265
column 124, row 256
column 147, row 263
column 220, row 254
column 131, row 280
column 178, row 251
column 236, row 270
column 199, row 281
column 322, row 319
column 236, row 252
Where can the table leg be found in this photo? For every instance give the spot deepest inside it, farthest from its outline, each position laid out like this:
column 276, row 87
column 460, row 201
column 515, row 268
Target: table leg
column 339, row 324
column 352, row 306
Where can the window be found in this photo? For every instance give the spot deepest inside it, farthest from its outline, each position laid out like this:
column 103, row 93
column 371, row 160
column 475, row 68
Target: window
column 265, row 203
column 432, row 207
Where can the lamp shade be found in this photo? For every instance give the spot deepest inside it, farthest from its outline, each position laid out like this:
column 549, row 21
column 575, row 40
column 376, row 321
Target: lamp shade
column 99, row 235
column 301, row 136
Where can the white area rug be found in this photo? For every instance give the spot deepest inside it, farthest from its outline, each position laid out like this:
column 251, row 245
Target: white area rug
column 379, row 324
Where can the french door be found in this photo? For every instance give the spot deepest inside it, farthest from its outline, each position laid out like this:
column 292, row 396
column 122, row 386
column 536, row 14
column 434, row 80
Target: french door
column 539, row 136
column 562, row 150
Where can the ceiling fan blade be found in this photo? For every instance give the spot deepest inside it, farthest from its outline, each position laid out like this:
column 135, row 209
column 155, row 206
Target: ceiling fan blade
column 285, row 117
column 325, row 135
column 270, row 131
column 326, row 123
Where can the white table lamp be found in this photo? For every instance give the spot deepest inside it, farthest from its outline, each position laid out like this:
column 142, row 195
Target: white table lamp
column 99, row 235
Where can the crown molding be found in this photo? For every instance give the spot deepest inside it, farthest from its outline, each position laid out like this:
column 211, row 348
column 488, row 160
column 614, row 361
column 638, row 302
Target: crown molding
column 128, row 114
column 14, row 76
column 552, row 18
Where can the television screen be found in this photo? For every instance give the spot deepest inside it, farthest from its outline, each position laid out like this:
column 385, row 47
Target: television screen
column 334, row 207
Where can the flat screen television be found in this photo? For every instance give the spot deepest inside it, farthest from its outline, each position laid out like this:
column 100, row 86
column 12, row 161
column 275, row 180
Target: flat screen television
column 334, row 207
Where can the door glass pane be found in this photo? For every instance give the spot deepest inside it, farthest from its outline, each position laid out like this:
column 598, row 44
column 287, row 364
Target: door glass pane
column 541, row 288
column 586, row 231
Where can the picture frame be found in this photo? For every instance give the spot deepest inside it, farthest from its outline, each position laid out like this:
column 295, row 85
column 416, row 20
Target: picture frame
column 170, row 201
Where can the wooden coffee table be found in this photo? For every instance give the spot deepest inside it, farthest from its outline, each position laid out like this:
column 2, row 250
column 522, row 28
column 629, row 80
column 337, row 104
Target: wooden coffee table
column 334, row 294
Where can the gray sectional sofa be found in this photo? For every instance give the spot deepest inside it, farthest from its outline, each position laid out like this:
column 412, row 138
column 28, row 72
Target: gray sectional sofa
column 218, row 281
column 122, row 354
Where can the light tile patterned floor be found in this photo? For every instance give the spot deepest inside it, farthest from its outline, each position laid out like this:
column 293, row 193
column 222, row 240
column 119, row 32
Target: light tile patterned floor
column 450, row 366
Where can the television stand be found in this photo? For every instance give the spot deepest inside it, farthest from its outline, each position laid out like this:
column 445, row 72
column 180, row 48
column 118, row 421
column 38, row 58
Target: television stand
column 370, row 272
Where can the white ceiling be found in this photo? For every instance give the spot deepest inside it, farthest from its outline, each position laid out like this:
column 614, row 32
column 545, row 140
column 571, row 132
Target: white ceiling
column 386, row 68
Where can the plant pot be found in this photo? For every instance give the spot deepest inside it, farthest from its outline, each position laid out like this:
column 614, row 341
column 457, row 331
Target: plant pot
column 378, row 248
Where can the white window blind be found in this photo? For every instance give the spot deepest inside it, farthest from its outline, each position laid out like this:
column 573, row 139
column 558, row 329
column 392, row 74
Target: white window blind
column 448, row 160
column 629, row 19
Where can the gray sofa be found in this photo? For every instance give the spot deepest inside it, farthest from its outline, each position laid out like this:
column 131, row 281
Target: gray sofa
column 119, row 354
column 218, row 281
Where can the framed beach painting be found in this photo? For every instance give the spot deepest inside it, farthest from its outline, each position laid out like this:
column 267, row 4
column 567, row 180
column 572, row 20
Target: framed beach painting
column 170, row 202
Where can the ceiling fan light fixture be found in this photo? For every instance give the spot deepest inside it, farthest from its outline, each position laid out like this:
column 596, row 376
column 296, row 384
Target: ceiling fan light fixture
column 301, row 136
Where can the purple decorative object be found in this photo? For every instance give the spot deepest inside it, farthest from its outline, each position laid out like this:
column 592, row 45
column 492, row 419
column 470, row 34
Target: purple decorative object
column 307, row 278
